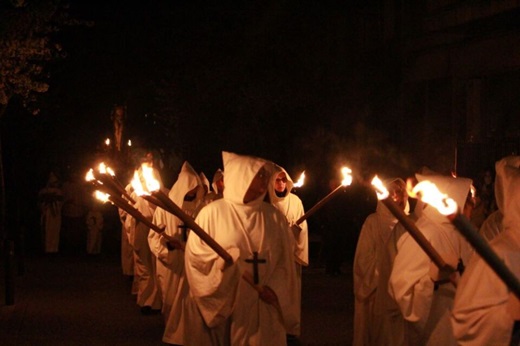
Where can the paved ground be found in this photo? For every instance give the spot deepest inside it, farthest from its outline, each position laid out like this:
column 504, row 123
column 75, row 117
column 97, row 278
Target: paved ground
column 73, row 299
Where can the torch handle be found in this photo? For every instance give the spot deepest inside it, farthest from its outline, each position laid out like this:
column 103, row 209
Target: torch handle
column 154, row 200
column 111, row 185
column 486, row 252
column 188, row 221
column 127, row 196
column 318, row 205
column 121, row 188
column 417, row 235
column 110, row 180
column 121, row 203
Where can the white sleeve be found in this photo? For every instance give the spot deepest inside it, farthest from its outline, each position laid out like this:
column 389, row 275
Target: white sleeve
column 410, row 283
column 480, row 315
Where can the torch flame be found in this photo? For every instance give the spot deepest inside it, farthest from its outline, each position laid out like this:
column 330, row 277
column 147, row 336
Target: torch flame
column 129, row 143
column 148, row 184
column 102, row 168
column 90, row 175
column 381, row 190
column 300, row 181
column 103, row 197
column 107, row 141
column 137, row 185
column 429, row 193
column 152, row 184
column 111, row 171
column 347, row 176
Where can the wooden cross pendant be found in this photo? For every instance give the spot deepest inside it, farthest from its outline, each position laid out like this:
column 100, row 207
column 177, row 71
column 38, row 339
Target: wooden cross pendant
column 255, row 260
column 184, row 229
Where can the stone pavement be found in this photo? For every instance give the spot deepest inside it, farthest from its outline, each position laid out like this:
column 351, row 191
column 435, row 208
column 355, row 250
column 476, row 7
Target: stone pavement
column 74, row 299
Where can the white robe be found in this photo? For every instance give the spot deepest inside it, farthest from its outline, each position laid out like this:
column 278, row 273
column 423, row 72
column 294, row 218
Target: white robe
column 427, row 310
column 51, row 206
column 492, row 226
column 144, row 266
column 292, row 207
column 128, row 255
column 481, row 312
column 370, row 251
column 223, row 298
column 127, row 252
column 94, row 221
column 170, row 263
column 391, row 326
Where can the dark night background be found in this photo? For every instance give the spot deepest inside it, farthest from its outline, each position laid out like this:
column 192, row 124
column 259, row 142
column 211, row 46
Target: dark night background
column 280, row 80
column 381, row 86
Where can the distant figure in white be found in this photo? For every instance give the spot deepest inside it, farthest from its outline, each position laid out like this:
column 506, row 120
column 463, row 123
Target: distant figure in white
column 50, row 200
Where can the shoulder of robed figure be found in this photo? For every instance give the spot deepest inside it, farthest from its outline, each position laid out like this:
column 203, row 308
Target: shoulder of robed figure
column 296, row 198
column 370, row 219
column 276, row 214
column 213, row 209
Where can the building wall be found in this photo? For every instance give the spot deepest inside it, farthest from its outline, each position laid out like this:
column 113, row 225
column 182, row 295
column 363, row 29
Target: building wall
column 460, row 85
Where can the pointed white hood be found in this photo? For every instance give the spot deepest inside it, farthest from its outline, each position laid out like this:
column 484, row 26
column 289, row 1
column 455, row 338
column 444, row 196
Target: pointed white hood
column 216, row 177
column 271, row 188
column 239, row 173
column 188, row 180
column 456, row 188
column 204, row 181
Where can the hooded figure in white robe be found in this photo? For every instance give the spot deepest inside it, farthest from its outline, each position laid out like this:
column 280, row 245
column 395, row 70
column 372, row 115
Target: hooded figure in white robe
column 425, row 304
column 217, row 188
column 243, row 224
column 217, row 183
column 485, row 310
column 292, row 207
column 370, row 251
column 185, row 193
column 51, row 202
column 95, row 225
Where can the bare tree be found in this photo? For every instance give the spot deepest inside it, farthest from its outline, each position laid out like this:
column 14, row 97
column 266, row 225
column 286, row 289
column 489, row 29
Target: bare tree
column 26, row 46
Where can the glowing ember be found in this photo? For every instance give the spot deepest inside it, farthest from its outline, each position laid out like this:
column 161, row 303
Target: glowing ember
column 347, row 176
column 300, row 181
column 107, row 141
column 129, row 143
column 429, row 193
column 381, row 191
